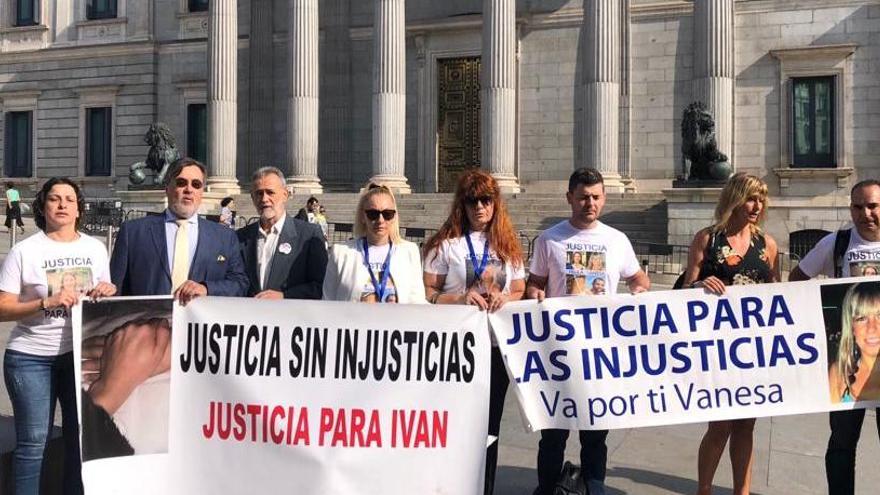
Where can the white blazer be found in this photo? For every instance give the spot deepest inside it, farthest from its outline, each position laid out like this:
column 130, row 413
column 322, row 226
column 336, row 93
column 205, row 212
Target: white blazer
column 345, row 267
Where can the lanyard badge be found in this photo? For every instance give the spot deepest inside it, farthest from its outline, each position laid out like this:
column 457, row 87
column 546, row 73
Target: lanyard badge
column 379, row 286
column 478, row 269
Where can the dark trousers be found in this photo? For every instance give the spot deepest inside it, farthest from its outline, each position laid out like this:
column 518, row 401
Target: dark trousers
column 497, row 392
column 840, row 458
column 551, row 454
column 13, row 213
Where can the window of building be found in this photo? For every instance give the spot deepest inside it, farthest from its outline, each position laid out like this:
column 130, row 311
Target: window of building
column 802, row 241
column 99, row 141
column 197, row 131
column 25, row 12
column 101, row 9
column 813, row 121
column 19, row 145
column 198, row 5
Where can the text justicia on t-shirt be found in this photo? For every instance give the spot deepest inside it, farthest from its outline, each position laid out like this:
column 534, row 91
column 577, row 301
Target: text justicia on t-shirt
column 66, row 262
column 593, row 248
column 863, row 256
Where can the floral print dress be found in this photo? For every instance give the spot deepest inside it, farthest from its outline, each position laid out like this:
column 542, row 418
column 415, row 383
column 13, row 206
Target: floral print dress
column 732, row 268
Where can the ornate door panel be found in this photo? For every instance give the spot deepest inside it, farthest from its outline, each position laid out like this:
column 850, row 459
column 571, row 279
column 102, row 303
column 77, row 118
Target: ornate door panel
column 458, row 119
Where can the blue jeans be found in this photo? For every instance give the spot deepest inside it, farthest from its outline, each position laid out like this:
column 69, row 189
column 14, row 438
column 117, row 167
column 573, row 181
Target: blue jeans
column 34, row 383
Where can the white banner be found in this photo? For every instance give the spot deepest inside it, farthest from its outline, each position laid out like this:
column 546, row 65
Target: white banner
column 328, row 398
column 663, row 358
column 269, row 396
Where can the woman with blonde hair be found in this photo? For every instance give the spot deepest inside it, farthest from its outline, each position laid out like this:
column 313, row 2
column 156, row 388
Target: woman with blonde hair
column 732, row 251
column 476, row 240
column 377, row 266
column 853, row 375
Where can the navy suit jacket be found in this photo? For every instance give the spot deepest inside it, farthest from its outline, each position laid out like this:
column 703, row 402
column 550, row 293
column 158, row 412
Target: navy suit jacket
column 297, row 272
column 139, row 264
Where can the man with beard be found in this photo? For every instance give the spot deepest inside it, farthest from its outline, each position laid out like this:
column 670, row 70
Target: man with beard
column 177, row 252
column 285, row 258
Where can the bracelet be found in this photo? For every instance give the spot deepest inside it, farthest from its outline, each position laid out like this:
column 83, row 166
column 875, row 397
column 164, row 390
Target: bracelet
column 43, row 304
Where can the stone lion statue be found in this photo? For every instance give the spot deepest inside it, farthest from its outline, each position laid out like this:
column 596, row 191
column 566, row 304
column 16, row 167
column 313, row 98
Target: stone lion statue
column 699, row 149
column 163, row 152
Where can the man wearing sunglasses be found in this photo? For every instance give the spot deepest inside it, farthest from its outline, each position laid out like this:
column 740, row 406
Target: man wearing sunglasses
column 285, row 258
column 178, row 252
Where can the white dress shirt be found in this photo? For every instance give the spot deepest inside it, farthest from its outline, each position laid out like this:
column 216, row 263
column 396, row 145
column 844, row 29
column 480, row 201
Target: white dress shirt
column 267, row 244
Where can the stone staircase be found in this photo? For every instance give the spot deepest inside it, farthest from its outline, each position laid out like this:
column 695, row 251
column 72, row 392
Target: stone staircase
column 642, row 216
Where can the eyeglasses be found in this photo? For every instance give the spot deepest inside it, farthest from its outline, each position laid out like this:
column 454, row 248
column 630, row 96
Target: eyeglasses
column 373, row 215
column 485, row 200
column 195, row 183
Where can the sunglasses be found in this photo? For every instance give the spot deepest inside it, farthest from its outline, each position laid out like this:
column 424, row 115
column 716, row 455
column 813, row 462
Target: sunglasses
column 485, row 200
column 373, row 215
column 195, row 183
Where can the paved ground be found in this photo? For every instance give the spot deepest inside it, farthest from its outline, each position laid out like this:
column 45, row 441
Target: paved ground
column 652, row 461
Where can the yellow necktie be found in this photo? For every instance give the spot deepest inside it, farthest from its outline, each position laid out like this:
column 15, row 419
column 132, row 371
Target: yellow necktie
column 180, row 267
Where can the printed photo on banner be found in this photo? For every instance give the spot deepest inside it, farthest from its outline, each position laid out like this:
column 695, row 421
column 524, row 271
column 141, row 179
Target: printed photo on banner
column 493, row 279
column 864, row 269
column 76, row 279
column 126, row 358
column 852, row 321
column 368, row 294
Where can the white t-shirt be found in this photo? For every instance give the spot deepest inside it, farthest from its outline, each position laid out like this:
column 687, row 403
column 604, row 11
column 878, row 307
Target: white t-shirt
column 377, row 263
column 39, row 267
column 583, row 262
column 453, row 260
column 860, row 256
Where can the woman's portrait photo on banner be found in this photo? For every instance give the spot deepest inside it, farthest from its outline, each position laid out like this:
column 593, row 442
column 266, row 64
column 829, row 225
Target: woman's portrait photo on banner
column 126, row 362
column 76, row 279
column 852, row 322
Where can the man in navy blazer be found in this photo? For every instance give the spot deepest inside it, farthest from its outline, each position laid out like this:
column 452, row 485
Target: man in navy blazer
column 146, row 249
column 285, row 258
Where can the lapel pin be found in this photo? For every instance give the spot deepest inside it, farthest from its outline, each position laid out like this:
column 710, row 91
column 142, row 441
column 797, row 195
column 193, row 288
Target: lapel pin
column 284, row 248
column 221, row 258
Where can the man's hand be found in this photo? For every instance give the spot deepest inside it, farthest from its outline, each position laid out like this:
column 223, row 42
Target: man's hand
column 189, row 290
column 270, row 294
column 66, row 298
column 103, row 289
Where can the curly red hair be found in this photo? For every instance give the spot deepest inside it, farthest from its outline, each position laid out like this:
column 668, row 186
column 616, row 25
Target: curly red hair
column 503, row 239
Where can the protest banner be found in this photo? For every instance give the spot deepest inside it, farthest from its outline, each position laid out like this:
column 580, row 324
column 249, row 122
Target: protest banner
column 662, row 358
column 328, row 397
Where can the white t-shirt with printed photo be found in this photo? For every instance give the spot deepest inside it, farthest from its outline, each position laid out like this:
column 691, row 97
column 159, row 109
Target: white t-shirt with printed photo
column 860, row 258
column 39, row 267
column 453, row 260
column 583, row 262
column 377, row 263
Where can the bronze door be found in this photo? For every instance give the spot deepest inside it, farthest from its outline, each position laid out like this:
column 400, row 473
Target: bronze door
column 458, row 119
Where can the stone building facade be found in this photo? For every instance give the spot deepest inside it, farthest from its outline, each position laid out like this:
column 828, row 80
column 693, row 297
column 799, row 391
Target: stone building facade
column 338, row 91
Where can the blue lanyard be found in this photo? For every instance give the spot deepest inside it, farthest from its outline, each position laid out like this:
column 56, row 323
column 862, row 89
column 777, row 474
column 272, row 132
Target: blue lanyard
column 379, row 287
column 478, row 270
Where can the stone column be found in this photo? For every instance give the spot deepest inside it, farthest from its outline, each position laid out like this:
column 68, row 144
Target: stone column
column 602, row 90
column 302, row 120
column 714, row 65
column 499, row 92
column 389, row 94
column 222, row 96
column 261, row 104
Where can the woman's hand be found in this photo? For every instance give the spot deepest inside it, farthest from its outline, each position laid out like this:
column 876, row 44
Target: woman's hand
column 66, row 298
column 103, row 289
column 473, row 298
column 497, row 299
column 711, row 284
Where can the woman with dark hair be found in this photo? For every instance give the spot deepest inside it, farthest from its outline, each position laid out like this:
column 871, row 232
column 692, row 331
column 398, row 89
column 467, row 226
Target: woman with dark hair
column 477, row 240
column 732, row 251
column 227, row 216
column 38, row 364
